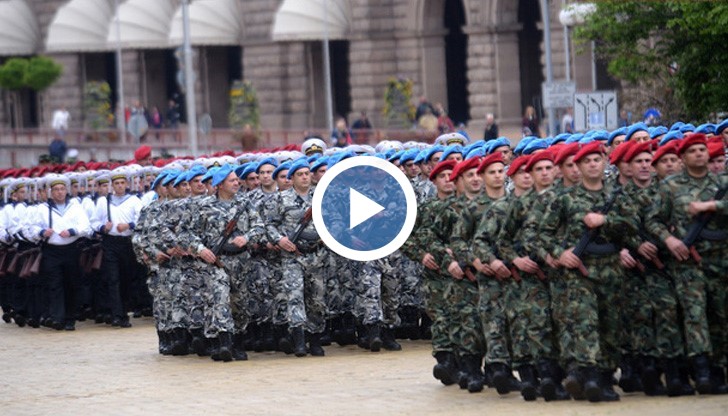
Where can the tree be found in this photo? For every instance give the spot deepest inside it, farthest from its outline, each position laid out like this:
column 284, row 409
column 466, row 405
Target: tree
column 36, row 73
column 673, row 51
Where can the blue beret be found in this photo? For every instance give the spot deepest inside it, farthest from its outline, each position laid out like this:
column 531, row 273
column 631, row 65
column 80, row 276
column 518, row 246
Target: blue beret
column 586, row 139
column 159, row 179
column 283, row 166
column 182, row 177
column 206, row 177
column 251, row 168
column 240, row 169
column 219, row 176
column 574, row 138
column 378, row 155
column 534, row 145
column 706, row 128
column 297, row 165
column 195, row 171
column 266, row 161
column 420, row 157
column 408, row 155
column 171, row 176
column 322, row 161
column 479, row 143
column 601, row 135
column 670, row 136
column 389, row 153
column 313, row 157
column 634, row 129
column 686, row 128
column 676, row 125
column 338, row 157
column 657, row 131
column 395, row 156
column 496, row 143
column 560, row 138
column 523, row 143
column 722, row 126
column 475, row 152
column 431, row 151
column 619, row 132
column 454, row 148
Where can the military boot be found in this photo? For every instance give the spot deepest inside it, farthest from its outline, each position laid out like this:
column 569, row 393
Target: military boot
column 701, row 374
column 314, row 345
column 299, row 341
column 629, row 381
column 285, row 344
column 362, row 339
column 717, row 377
column 608, row 393
column 684, row 369
column 7, row 315
column 592, row 384
column 163, row 342
column 574, row 383
column 650, row 375
column 267, row 340
column 179, row 342
column 199, row 343
column 425, row 325
column 336, row 329
column 348, row 329
column 374, row 337
column 500, row 378
column 239, row 353
column 558, row 375
column 223, row 347
column 529, row 382
column 672, row 377
column 548, row 381
column 475, row 374
column 445, row 368
column 388, row 341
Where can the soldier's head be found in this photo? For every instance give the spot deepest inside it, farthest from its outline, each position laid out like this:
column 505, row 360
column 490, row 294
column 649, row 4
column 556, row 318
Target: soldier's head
column 666, row 161
column 493, row 171
column 196, row 185
column 541, row 168
column 59, row 188
column 229, row 186
column 300, row 176
column 18, row 191
column 103, row 186
column 591, row 160
column 467, row 180
column 119, row 186
column 252, row 181
column 640, row 163
column 440, row 177
column 265, row 173
column 716, row 151
column 522, row 180
column 693, row 151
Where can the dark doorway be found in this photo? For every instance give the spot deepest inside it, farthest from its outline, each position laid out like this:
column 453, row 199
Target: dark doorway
column 223, row 66
column 173, row 80
column 529, row 51
column 340, row 87
column 456, row 52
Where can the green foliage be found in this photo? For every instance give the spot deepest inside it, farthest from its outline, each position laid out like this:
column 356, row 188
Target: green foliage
column 243, row 106
column 12, row 73
column 97, row 105
column 676, row 47
column 398, row 109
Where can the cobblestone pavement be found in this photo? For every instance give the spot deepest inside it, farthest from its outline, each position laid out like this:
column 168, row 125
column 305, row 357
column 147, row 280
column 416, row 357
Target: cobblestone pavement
column 97, row 370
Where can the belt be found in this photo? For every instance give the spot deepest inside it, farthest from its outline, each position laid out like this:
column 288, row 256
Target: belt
column 307, row 247
column 605, row 249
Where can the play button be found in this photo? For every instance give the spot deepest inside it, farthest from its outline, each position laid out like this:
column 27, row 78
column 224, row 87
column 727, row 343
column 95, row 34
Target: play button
column 364, row 208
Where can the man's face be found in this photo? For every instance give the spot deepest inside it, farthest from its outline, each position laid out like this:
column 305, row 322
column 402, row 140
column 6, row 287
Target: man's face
column 196, row 186
column 471, row 181
column 506, row 152
column 20, row 194
column 301, row 179
column 265, row 174
column 592, row 166
column 252, row 181
column 103, row 188
column 494, row 176
column 641, row 137
column 458, row 157
column 669, row 164
column 283, row 181
column 617, row 141
column 570, row 171
column 522, row 180
column 75, row 188
column 230, row 186
column 443, row 184
column 624, row 169
column 717, row 164
column 183, row 189
column 543, row 173
column 641, row 167
column 58, row 193
column 316, row 177
column 410, row 169
column 696, row 156
column 119, row 186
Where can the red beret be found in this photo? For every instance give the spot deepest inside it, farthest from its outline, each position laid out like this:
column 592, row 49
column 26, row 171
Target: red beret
column 143, row 152
column 636, row 149
column 444, row 165
column 691, row 140
column 160, row 163
column 716, row 150
column 593, row 147
column 715, row 139
column 516, row 164
column 669, row 147
column 618, row 153
column 496, row 157
column 539, row 157
column 464, row 166
column 565, row 151
column 9, row 173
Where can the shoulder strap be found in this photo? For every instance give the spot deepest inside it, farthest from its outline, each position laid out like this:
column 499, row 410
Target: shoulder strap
column 108, row 208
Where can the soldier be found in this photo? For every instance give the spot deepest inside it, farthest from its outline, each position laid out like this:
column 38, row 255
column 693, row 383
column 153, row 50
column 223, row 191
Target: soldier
column 16, row 214
column 302, row 261
column 591, row 322
column 568, row 173
column 699, row 279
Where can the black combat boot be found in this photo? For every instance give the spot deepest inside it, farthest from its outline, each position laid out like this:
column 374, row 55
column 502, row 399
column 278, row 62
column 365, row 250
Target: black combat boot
column 608, row 393
column 198, row 345
column 163, row 347
column 314, row 345
column 529, row 382
column 701, row 374
column 388, row 341
column 299, row 341
column 574, row 383
column 178, row 342
column 445, row 368
column 558, row 375
column 224, row 347
column 684, row 368
column 592, row 384
column 425, row 325
column 500, row 377
column 672, row 377
column 20, row 320
column 717, row 377
column 629, row 381
column 374, row 337
column 475, row 374
column 7, row 315
column 462, row 375
column 348, row 329
column 336, row 329
column 238, row 351
column 362, row 339
column 650, row 374
column 548, row 381
column 267, row 340
column 285, row 344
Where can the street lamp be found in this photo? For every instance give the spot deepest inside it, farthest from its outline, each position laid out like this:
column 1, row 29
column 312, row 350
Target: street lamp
column 189, row 79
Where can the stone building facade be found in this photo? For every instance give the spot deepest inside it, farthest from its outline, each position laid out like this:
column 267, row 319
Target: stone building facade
column 473, row 56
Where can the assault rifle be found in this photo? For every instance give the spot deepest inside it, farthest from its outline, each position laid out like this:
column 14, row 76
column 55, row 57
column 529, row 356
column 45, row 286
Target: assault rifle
column 302, row 224
column 590, row 234
column 520, row 250
column 230, row 227
column 697, row 229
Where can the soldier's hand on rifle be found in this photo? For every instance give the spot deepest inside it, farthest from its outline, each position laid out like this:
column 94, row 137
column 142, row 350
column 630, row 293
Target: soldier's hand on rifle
column 594, row 220
column 500, row 269
column 240, row 241
column 455, row 270
column 428, row 260
column 470, row 275
column 647, row 250
column 271, row 246
column 696, row 207
column 626, row 259
column 678, row 249
column 526, row 264
column 553, row 263
column 65, row 234
column 569, row 260
column 287, row 245
column 107, row 226
column 207, row 255
column 162, row 257
column 122, row 227
column 48, row 232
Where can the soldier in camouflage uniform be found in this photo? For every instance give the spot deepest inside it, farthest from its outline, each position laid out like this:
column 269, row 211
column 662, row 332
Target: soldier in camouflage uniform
column 302, row 262
column 591, row 321
column 701, row 285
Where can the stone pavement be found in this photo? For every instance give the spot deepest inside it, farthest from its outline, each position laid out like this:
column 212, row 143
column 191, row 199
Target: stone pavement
column 97, row 370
